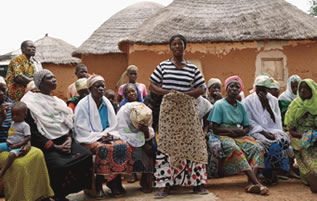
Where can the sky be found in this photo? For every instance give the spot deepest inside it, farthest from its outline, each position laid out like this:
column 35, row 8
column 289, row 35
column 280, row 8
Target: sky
column 70, row 20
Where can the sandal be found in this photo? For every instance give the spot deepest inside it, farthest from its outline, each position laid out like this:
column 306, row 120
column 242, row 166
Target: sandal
column 160, row 195
column 253, row 189
column 200, row 190
column 264, row 190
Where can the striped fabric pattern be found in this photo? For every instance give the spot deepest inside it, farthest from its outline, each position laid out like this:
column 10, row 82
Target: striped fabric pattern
column 6, row 123
column 182, row 80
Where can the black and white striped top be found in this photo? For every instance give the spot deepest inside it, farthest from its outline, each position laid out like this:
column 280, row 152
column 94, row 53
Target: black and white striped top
column 183, row 79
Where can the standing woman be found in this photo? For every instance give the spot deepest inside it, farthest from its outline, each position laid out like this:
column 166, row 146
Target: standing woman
column 180, row 81
column 301, row 119
column 27, row 179
column 51, row 121
column 230, row 122
column 132, row 74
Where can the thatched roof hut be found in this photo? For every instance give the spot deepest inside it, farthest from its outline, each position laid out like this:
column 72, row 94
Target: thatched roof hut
column 226, row 37
column 55, row 51
column 105, row 39
column 226, row 21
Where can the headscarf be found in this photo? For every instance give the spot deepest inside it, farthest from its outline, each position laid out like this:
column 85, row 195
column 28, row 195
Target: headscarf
column 125, row 100
column 275, row 85
column 299, row 107
column 81, row 84
column 93, row 79
column 38, row 77
column 263, row 81
column 180, row 37
column 214, row 81
column 124, row 77
column 288, row 94
column 2, row 81
column 234, row 78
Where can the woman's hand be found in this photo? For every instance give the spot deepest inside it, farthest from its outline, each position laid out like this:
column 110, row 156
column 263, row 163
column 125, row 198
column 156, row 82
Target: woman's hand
column 143, row 128
column 3, row 112
column 107, row 139
column 268, row 135
column 294, row 133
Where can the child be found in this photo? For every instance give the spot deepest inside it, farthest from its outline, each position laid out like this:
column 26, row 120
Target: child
column 19, row 136
column 109, row 93
column 82, row 90
column 81, row 71
column 132, row 74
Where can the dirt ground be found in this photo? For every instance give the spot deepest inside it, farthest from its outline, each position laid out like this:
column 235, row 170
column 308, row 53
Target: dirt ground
column 224, row 189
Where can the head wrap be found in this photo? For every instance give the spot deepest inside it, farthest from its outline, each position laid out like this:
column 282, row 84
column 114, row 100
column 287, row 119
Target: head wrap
column 140, row 114
column 299, row 107
column 288, row 94
column 234, row 78
column 263, row 81
column 81, row 84
column 214, row 81
column 93, row 79
column 38, row 77
column 2, row 81
column 180, row 37
column 275, row 85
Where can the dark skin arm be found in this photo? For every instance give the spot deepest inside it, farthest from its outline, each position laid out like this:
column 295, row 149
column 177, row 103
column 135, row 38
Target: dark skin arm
column 24, row 142
column 268, row 135
column 230, row 132
column 3, row 112
column 294, row 133
column 145, row 130
column 194, row 92
column 22, row 80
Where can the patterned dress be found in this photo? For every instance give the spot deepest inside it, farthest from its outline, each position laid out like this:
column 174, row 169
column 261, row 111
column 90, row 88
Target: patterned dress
column 19, row 65
column 305, row 157
column 242, row 153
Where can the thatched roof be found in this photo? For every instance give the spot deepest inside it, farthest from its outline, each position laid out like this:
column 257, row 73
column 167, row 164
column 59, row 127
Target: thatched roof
column 226, row 21
column 53, row 50
column 105, row 39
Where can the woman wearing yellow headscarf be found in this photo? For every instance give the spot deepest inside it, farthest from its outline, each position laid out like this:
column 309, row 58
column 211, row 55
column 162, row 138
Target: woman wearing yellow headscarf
column 301, row 118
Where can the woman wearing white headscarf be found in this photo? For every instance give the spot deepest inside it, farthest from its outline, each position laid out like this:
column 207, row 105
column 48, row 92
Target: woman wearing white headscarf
column 266, row 127
column 289, row 94
column 51, row 121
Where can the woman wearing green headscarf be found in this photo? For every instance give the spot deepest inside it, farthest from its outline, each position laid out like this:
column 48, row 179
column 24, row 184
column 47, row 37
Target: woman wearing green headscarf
column 301, row 119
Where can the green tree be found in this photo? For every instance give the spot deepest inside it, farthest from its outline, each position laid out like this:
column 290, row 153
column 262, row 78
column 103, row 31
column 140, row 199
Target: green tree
column 313, row 7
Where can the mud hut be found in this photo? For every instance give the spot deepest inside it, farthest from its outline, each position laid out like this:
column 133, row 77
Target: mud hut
column 55, row 55
column 225, row 37
column 100, row 52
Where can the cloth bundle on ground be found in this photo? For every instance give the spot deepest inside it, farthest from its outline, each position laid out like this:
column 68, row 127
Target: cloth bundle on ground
column 181, row 135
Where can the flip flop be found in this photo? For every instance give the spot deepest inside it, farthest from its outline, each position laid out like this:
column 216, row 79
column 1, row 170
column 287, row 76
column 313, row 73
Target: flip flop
column 201, row 191
column 160, row 195
column 264, row 190
column 256, row 189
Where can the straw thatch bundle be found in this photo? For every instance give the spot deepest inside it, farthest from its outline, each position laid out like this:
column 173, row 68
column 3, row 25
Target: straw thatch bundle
column 53, row 50
column 226, row 21
column 105, row 39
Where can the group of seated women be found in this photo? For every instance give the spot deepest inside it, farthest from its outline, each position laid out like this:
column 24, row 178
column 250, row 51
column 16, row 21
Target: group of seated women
column 244, row 134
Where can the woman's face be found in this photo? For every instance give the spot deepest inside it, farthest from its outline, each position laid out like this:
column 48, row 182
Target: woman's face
column 131, row 93
column 305, row 91
column 49, row 82
column 3, row 90
column 214, row 89
column 261, row 90
column 98, row 89
column 294, row 86
column 177, row 47
column 132, row 75
column 233, row 89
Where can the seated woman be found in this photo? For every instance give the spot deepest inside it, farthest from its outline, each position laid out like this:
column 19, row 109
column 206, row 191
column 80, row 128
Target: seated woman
column 81, row 88
column 301, row 119
column 230, row 122
column 266, row 127
column 96, row 129
column 289, row 94
column 134, row 126
column 51, row 121
column 214, row 90
column 27, row 179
